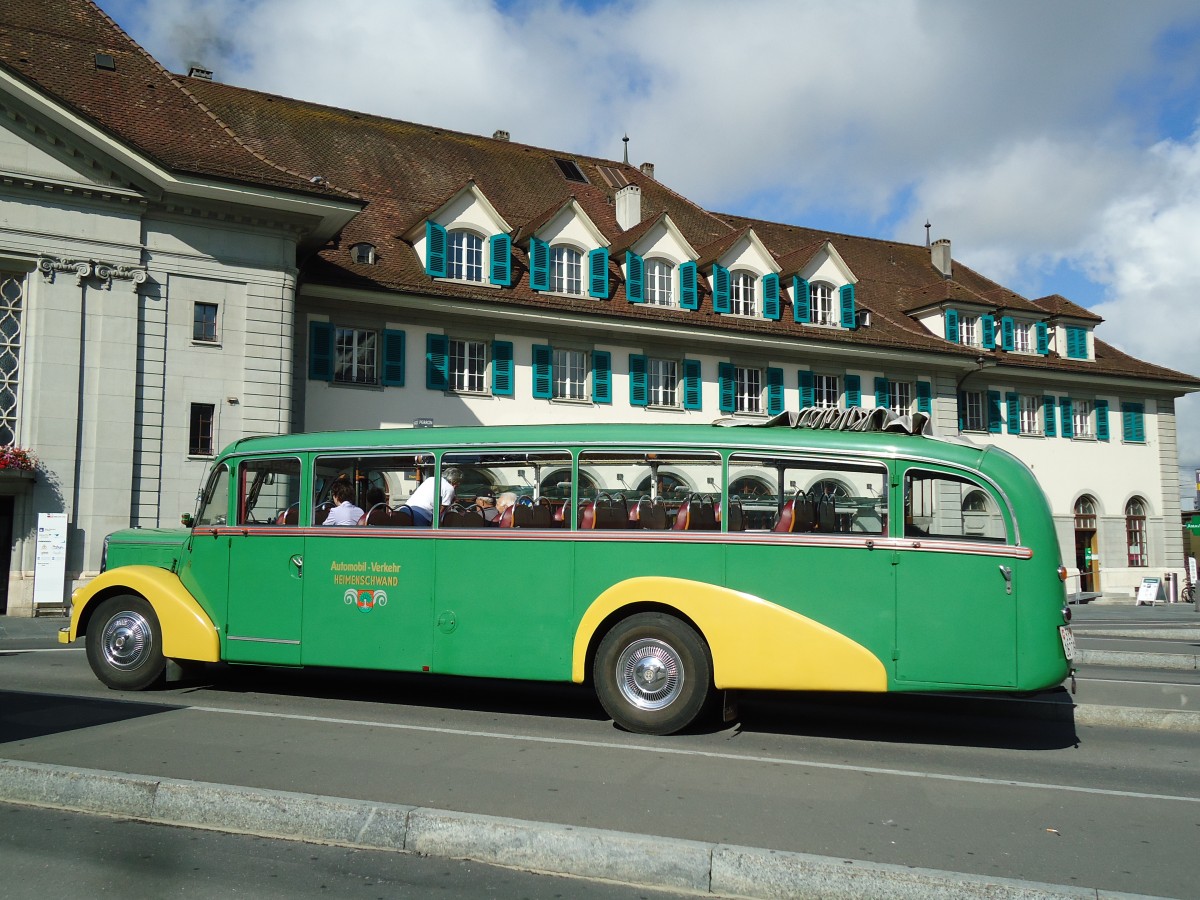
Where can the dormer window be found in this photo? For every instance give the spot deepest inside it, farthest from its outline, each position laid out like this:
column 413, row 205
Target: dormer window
column 363, row 253
column 814, row 304
column 742, row 298
column 822, row 305
column 968, row 330
column 566, row 270
column 1077, row 342
column 660, row 280
column 464, row 256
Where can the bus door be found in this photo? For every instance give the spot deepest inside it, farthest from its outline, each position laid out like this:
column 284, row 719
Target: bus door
column 956, row 583
column 368, row 588
column 265, row 563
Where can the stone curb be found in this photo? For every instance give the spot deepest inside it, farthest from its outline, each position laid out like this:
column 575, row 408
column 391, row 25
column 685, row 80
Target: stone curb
column 634, row 859
column 1134, row 660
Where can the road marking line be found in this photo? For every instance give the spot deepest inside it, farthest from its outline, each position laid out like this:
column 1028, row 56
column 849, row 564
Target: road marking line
column 709, row 754
column 11, row 651
column 1134, row 681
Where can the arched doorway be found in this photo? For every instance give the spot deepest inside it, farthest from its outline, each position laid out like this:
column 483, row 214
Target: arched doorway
column 1087, row 555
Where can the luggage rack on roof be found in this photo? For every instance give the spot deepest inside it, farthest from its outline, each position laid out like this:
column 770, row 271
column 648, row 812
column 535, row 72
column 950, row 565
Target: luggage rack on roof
column 834, row 419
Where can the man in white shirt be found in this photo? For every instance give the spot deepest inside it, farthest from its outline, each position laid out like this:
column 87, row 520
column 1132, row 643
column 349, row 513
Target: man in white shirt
column 344, row 511
column 421, row 501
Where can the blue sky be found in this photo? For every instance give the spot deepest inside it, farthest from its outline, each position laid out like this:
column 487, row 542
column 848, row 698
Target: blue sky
column 1056, row 143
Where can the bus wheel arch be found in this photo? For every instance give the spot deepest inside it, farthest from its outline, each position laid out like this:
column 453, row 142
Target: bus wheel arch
column 652, row 671
column 125, row 643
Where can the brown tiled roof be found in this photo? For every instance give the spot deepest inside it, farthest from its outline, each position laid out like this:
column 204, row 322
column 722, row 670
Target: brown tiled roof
column 52, row 46
column 1058, row 305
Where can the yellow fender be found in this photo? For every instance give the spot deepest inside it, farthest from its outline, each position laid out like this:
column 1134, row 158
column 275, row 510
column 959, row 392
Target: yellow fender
column 187, row 631
column 755, row 644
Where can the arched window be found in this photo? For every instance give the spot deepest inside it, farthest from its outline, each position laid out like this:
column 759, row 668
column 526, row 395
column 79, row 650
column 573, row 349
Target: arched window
column 566, row 270
column 668, row 485
column 1085, row 513
column 1135, row 531
column 822, row 305
column 659, row 281
column 363, row 253
column 464, row 256
column 557, row 485
column 741, row 294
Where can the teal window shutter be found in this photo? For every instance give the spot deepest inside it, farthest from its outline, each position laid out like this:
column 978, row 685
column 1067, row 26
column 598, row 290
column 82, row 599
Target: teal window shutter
column 1066, row 417
column 1133, row 422
column 881, row 392
column 435, row 250
column 502, row 368
column 501, row 246
column 995, row 419
column 720, row 289
column 962, row 411
column 635, row 278
column 393, row 358
column 770, row 292
column 1076, row 343
column 774, row 391
column 846, row 294
column 689, row 295
column 543, row 371
column 598, row 270
column 952, row 325
column 801, row 300
column 1007, row 333
column 1102, row 420
column 805, row 378
column 853, row 391
column 1043, row 338
column 925, row 397
column 437, row 362
column 539, row 265
column 693, row 384
column 726, row 380
column 987, row 332
column 1013, row 402
column 639, row 394
column 320, row 351
column 601, row 376
column 1048, row 417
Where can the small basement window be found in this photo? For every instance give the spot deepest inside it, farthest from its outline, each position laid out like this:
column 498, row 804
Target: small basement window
column 363, row 253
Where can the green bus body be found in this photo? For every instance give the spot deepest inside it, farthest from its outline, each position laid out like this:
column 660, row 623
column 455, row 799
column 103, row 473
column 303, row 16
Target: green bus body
column 926, row 611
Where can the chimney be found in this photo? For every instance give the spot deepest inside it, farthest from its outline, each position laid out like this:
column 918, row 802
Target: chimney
column 941, row 256
column 500, row 134
column 195, row 70
column 629, row 206
column 647, row 169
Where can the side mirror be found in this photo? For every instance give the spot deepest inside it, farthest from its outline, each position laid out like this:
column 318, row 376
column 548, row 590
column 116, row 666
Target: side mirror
column 186, row 520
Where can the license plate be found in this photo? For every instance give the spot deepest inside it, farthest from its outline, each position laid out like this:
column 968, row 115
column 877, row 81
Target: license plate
column 1068, row 641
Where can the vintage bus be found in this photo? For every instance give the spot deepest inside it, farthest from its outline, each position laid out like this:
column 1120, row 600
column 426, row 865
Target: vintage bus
column 663, row 564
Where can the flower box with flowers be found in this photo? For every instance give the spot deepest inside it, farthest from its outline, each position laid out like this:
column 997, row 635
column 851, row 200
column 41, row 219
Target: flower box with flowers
column 17, row 462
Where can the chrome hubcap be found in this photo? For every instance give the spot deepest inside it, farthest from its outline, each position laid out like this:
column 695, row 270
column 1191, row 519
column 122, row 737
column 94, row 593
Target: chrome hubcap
column 650, row 674
column 127, row 640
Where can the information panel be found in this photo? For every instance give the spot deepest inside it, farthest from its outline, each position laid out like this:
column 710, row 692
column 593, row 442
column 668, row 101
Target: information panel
column 50, row 563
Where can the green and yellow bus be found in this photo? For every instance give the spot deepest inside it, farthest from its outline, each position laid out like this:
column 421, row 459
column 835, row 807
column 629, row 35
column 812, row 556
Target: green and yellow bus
column 663, row 564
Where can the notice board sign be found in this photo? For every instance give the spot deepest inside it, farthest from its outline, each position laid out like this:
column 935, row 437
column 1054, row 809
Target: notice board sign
column 1150, row 592
column 50, row 561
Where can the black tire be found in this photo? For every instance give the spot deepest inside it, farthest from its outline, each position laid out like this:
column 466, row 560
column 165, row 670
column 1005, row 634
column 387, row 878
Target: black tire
column 124, row 644
column 653, row 674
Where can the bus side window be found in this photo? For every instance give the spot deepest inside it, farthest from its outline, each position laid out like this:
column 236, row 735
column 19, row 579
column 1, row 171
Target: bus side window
column 214, row 503
column 793, row 495
column 942, row 505
column 269, row 492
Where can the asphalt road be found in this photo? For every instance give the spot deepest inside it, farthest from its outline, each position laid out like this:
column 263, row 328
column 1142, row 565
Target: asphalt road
column 935, row 786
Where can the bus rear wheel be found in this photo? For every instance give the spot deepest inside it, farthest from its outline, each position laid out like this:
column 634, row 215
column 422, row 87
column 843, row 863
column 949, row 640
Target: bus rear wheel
column 124, row 644
column 653, row 674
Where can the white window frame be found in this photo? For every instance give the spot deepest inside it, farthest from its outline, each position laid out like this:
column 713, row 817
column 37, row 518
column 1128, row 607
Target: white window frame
column 467, row 362
column 566, row 270
column 355, row 355
column 826, row 391
column 659, row 282
column 464, row 256
column 900, row 397
column 743, row 300
column 974, row 412
column 968, row 330
column 662, row 382
column 1081, row 419
column 570, row 374
column 748, row 386
column 1022, row 334
column 822, row 308
column 1031, row 414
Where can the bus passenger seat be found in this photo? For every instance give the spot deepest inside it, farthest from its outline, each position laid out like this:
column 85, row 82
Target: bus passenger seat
column 787, row 518
column 320, row 512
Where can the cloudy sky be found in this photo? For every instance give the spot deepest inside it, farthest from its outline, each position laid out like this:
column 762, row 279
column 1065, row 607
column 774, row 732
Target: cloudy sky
column 1056, row 143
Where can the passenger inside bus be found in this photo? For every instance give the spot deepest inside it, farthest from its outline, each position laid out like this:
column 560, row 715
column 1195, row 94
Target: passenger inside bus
column 344, row 511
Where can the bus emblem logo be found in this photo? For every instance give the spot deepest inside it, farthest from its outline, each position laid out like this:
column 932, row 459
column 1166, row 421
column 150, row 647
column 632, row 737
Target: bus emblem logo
column 366, row 600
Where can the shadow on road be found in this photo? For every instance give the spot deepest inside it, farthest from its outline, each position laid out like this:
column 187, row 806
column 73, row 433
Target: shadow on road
column 26, row 715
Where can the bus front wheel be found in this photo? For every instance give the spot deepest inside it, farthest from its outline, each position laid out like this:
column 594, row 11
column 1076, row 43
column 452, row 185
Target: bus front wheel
column 653, row 674
column 124, row 644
